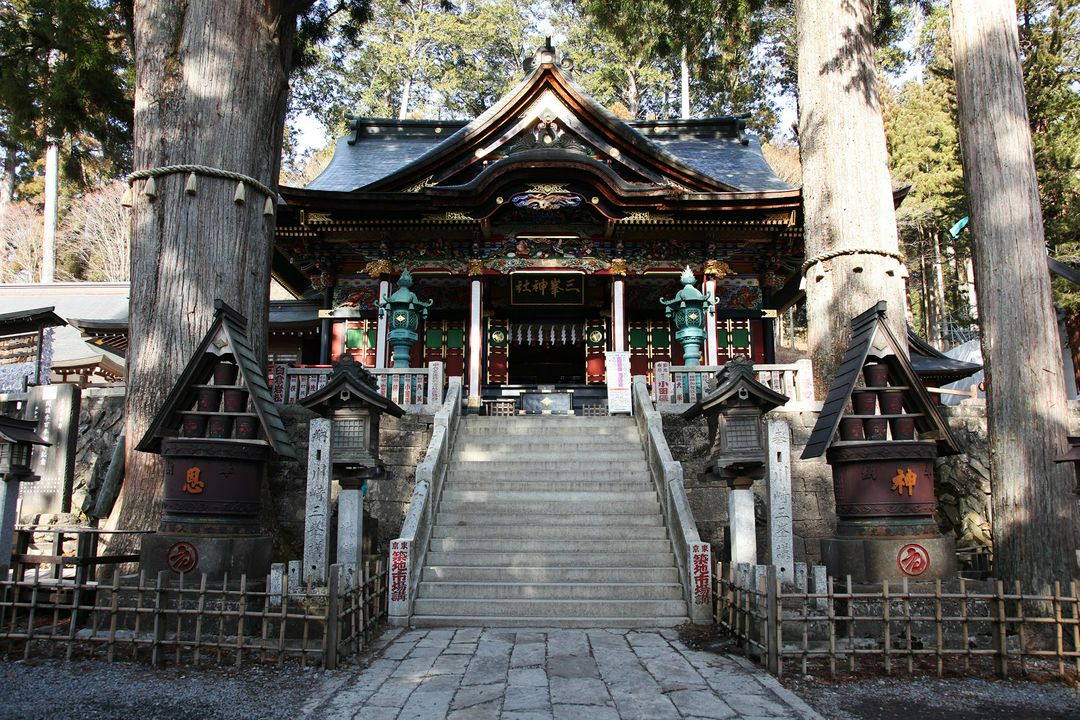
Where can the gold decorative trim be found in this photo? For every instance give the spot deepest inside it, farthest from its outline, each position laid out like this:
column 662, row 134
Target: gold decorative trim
column 475, row 267
column 316, row 218
column 717, row 268
column 786, row 217
column 449, row 217
column 645, row 217
column 618, row 266
column 545, row 188
column 375, row 268
column 418, row 187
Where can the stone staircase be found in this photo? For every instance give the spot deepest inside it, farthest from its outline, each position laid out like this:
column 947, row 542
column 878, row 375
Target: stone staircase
column 549, row 521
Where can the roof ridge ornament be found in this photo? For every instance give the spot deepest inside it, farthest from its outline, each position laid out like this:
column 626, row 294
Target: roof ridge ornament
column 546, row 55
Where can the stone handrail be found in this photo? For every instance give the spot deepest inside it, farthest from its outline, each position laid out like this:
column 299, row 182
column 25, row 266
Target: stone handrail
column 407, row 552
column 405, row 386
column 693, row 556
column 685, row 385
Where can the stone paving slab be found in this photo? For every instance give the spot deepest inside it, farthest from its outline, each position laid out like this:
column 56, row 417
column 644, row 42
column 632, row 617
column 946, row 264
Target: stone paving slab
column 557, row 674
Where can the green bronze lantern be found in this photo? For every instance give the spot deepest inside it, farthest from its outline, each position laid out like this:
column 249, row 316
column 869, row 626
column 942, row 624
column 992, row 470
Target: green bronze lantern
column 688, row 308
column 405, row 311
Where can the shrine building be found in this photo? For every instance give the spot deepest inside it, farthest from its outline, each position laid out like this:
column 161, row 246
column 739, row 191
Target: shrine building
column 545, row 231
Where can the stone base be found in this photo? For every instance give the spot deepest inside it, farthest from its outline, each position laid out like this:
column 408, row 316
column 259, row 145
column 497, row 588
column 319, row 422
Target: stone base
column 215, row 555
column 892, row 558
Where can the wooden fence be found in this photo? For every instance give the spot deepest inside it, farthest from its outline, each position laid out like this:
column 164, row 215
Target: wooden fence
column 189, row 620
column 973, row 626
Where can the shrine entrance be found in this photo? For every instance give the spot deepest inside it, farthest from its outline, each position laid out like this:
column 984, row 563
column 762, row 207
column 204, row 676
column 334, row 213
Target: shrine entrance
column 551, row 364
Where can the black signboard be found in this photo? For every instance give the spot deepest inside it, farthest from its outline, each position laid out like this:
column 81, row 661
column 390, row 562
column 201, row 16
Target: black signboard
column 547, row 289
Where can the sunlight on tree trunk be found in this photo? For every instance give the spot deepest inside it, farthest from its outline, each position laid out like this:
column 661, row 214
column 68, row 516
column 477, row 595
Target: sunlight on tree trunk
column 847, row 191
column 1033, row 503
column 684, row 83
column 212, row 81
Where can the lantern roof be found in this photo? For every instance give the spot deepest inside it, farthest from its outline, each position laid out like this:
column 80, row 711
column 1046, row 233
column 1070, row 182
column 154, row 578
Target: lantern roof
column 350, row 383
column 736, row 382
column 20, row 431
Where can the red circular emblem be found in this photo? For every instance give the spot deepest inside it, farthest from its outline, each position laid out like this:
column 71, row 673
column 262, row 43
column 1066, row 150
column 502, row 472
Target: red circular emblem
column 182, row 557
column 913, row 559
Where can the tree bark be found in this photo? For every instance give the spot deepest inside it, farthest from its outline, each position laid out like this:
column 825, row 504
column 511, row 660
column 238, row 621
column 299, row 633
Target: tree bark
column 1032, row 497
column 211, row 88
column 847, row 191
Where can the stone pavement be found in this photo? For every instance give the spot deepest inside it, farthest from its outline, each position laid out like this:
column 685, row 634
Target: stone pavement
column 512, row 674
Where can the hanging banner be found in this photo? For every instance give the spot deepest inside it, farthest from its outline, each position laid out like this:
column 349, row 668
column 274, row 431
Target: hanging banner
column 617, row 370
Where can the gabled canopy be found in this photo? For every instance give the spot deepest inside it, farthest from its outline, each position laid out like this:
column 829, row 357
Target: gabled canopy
column 871, row 336
column 227, row 336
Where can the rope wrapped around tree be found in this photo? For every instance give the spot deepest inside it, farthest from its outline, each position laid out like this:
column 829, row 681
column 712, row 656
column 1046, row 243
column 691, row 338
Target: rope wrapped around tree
column 193, row 171
column 849, row 251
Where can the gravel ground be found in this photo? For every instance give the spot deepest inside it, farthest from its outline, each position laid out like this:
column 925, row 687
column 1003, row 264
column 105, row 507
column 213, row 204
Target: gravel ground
column 934, row 699
column 93, row 690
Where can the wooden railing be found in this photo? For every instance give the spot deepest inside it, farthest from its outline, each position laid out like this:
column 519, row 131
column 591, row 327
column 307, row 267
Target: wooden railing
column 685, row 385
column 405, row 386
column 59, row 562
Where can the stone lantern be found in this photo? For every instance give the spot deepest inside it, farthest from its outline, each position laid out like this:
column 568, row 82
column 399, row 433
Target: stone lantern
column 17, row 438
column 405, row 311
column 735, row 411
column 688, row 308
column 344, row 447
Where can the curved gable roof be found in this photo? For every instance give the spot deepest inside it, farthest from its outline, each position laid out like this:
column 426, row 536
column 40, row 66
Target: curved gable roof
column 709, row 156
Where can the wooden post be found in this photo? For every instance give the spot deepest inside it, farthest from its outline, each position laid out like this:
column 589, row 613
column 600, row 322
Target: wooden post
column 772, row 610
column 160, row 588
column 1000, row 638
column 333, row 608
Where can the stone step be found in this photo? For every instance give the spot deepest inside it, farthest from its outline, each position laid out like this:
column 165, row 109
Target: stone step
column 555, row 456
column 514, row 433
column 482, row 471
column 547, row 622
column 552, row 559
column 549, row 608
column 525, row 544
column 550, row 591
column 477, row 516
column 540, row 482
column 555, row 465
column 552, row 532
column 530, row 574
column 569, row 444
column 452, row 494
column 531, row 507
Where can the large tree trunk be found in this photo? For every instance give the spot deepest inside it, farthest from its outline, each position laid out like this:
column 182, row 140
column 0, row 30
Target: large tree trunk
column 847, row 192
column 1032, row 497
column 211, row 88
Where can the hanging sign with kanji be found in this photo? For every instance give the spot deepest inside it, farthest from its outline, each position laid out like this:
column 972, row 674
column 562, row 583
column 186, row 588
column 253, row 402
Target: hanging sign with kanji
column 529, row 288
